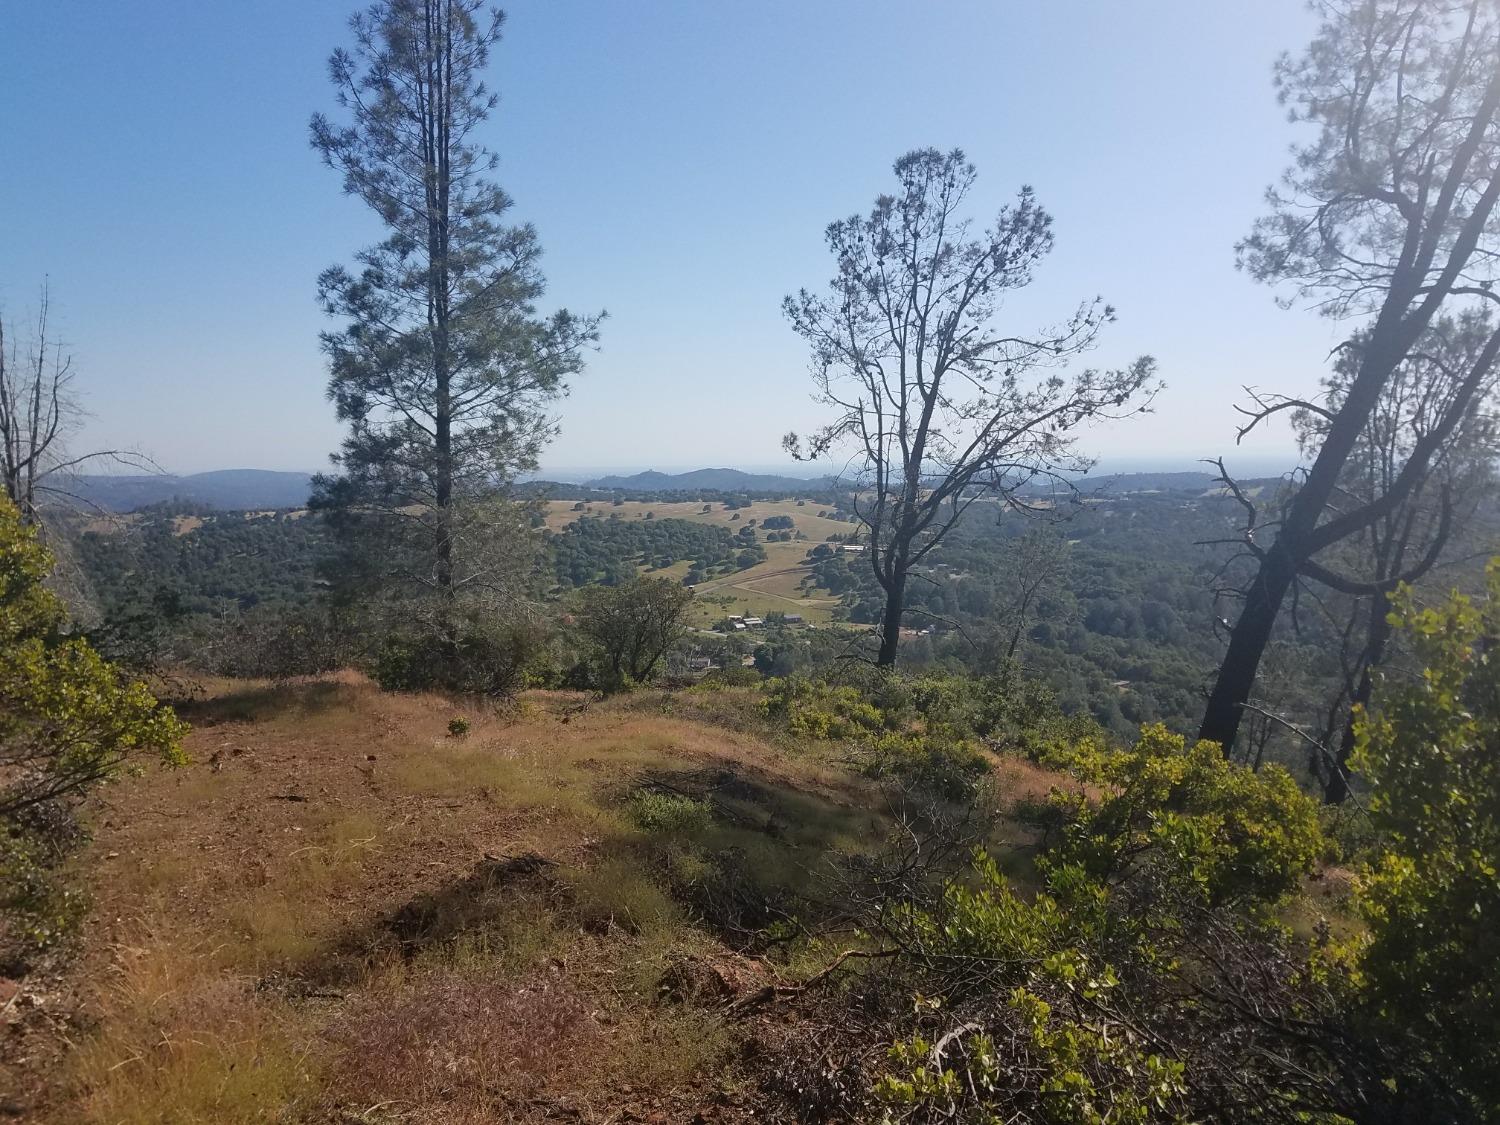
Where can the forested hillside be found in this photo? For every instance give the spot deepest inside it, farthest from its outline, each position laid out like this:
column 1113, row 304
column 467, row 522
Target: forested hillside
column 1108, row 601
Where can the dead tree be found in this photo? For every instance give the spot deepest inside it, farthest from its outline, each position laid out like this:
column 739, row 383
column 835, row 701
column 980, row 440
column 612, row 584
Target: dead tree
column 1425, row 531
column 38, row 412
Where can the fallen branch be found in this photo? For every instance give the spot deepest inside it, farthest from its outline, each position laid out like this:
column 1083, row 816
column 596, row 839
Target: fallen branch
column 774, row 992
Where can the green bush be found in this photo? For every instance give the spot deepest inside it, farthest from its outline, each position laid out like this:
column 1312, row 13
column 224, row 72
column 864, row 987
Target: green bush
column 69, row 720
column 823, row 711
column 938, row 765
column 1236, row 834
column 1429, row 890
column 476, row 661
column 669, row 814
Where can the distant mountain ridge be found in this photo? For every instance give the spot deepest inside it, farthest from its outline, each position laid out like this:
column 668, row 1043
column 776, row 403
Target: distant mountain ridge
column 226, row 489
column 254, row 489
column 718, row 480
column 736, row 480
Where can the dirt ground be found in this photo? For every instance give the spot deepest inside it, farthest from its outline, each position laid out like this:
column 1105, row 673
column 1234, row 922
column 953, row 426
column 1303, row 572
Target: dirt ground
column 342, row 912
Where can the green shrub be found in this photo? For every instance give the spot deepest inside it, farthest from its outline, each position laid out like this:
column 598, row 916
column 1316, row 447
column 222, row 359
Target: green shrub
column 669, row 813
column 938, row 765
column 69, row 720
column 1429, row 890
column 36, row 909
column 1234, row 833
column 823, row 711
column 1050, row 1035
column 458, row 726
column 728, row 677
column 476, row 661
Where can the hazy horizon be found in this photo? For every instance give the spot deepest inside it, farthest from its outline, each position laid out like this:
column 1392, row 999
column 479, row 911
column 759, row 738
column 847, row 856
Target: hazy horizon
column 1254, row 466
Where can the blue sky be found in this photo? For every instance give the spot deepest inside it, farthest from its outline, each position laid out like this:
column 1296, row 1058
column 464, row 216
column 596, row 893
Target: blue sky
column 680, row 160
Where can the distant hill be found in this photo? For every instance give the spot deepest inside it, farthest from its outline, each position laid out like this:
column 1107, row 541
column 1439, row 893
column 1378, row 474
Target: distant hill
column 717, row 480
column 1147, row 482
column 227, row 489
column 734, row 480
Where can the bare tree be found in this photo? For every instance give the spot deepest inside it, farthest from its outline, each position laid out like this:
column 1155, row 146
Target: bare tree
column 941, row 405
column 1388, row 216
column 1039, row 564
column 38, row 413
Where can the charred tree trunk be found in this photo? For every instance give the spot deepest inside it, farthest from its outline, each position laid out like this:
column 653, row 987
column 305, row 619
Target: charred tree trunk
column 1390, row 340
column 890, row 622
column 1247, row 643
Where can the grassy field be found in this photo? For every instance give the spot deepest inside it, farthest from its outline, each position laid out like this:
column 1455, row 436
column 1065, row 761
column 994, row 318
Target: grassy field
column 340, row 912
column 560, row 513
column 772, row 586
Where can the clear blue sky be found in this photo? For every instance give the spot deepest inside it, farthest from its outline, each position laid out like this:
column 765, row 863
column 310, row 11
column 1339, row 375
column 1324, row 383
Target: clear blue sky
column 680, row 158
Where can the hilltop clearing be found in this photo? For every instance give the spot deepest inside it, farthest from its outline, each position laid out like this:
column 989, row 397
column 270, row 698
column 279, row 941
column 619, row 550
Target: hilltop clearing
column 341, row 911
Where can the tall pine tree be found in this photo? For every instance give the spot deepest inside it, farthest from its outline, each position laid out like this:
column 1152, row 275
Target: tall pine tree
column 443, row 368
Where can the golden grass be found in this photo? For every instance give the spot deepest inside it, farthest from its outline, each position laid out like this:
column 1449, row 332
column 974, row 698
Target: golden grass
column 768, row 587
column 286, row 904
column 184, row 1046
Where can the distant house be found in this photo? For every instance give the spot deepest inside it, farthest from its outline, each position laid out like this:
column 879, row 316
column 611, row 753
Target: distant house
column 698, row 665
column 853, row 548
column 753, row 622
column 739, row 626
column 793, row 619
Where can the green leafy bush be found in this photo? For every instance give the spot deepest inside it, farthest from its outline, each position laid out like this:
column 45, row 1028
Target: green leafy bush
column 823, row 711
column 68, row 721
column 939, row 765
column 1037, row 1032
column 478, row 661
column 1430, row 893
column 1234, row 833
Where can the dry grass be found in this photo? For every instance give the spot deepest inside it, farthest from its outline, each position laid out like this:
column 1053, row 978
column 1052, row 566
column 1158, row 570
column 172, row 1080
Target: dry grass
column 772, row 586
column 453, row 1046
column 560, row 513
column 183, row 1045
column 339, row 907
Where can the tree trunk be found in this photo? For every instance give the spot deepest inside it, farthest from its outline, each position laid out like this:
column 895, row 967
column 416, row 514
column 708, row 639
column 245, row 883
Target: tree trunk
column 1247, row 642
column 1390, row 340
column 440, row 41
column 1336, row 791
column 890, row 623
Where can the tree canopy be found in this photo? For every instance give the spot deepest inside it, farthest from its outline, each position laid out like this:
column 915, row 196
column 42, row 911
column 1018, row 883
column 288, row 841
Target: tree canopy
column 940, row 402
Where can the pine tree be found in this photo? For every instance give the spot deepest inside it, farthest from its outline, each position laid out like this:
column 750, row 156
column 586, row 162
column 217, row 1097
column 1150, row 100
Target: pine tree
column 443, row 368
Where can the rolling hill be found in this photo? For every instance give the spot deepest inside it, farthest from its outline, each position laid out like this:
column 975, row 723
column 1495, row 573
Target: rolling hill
column 226, row 489
column 719, row 480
